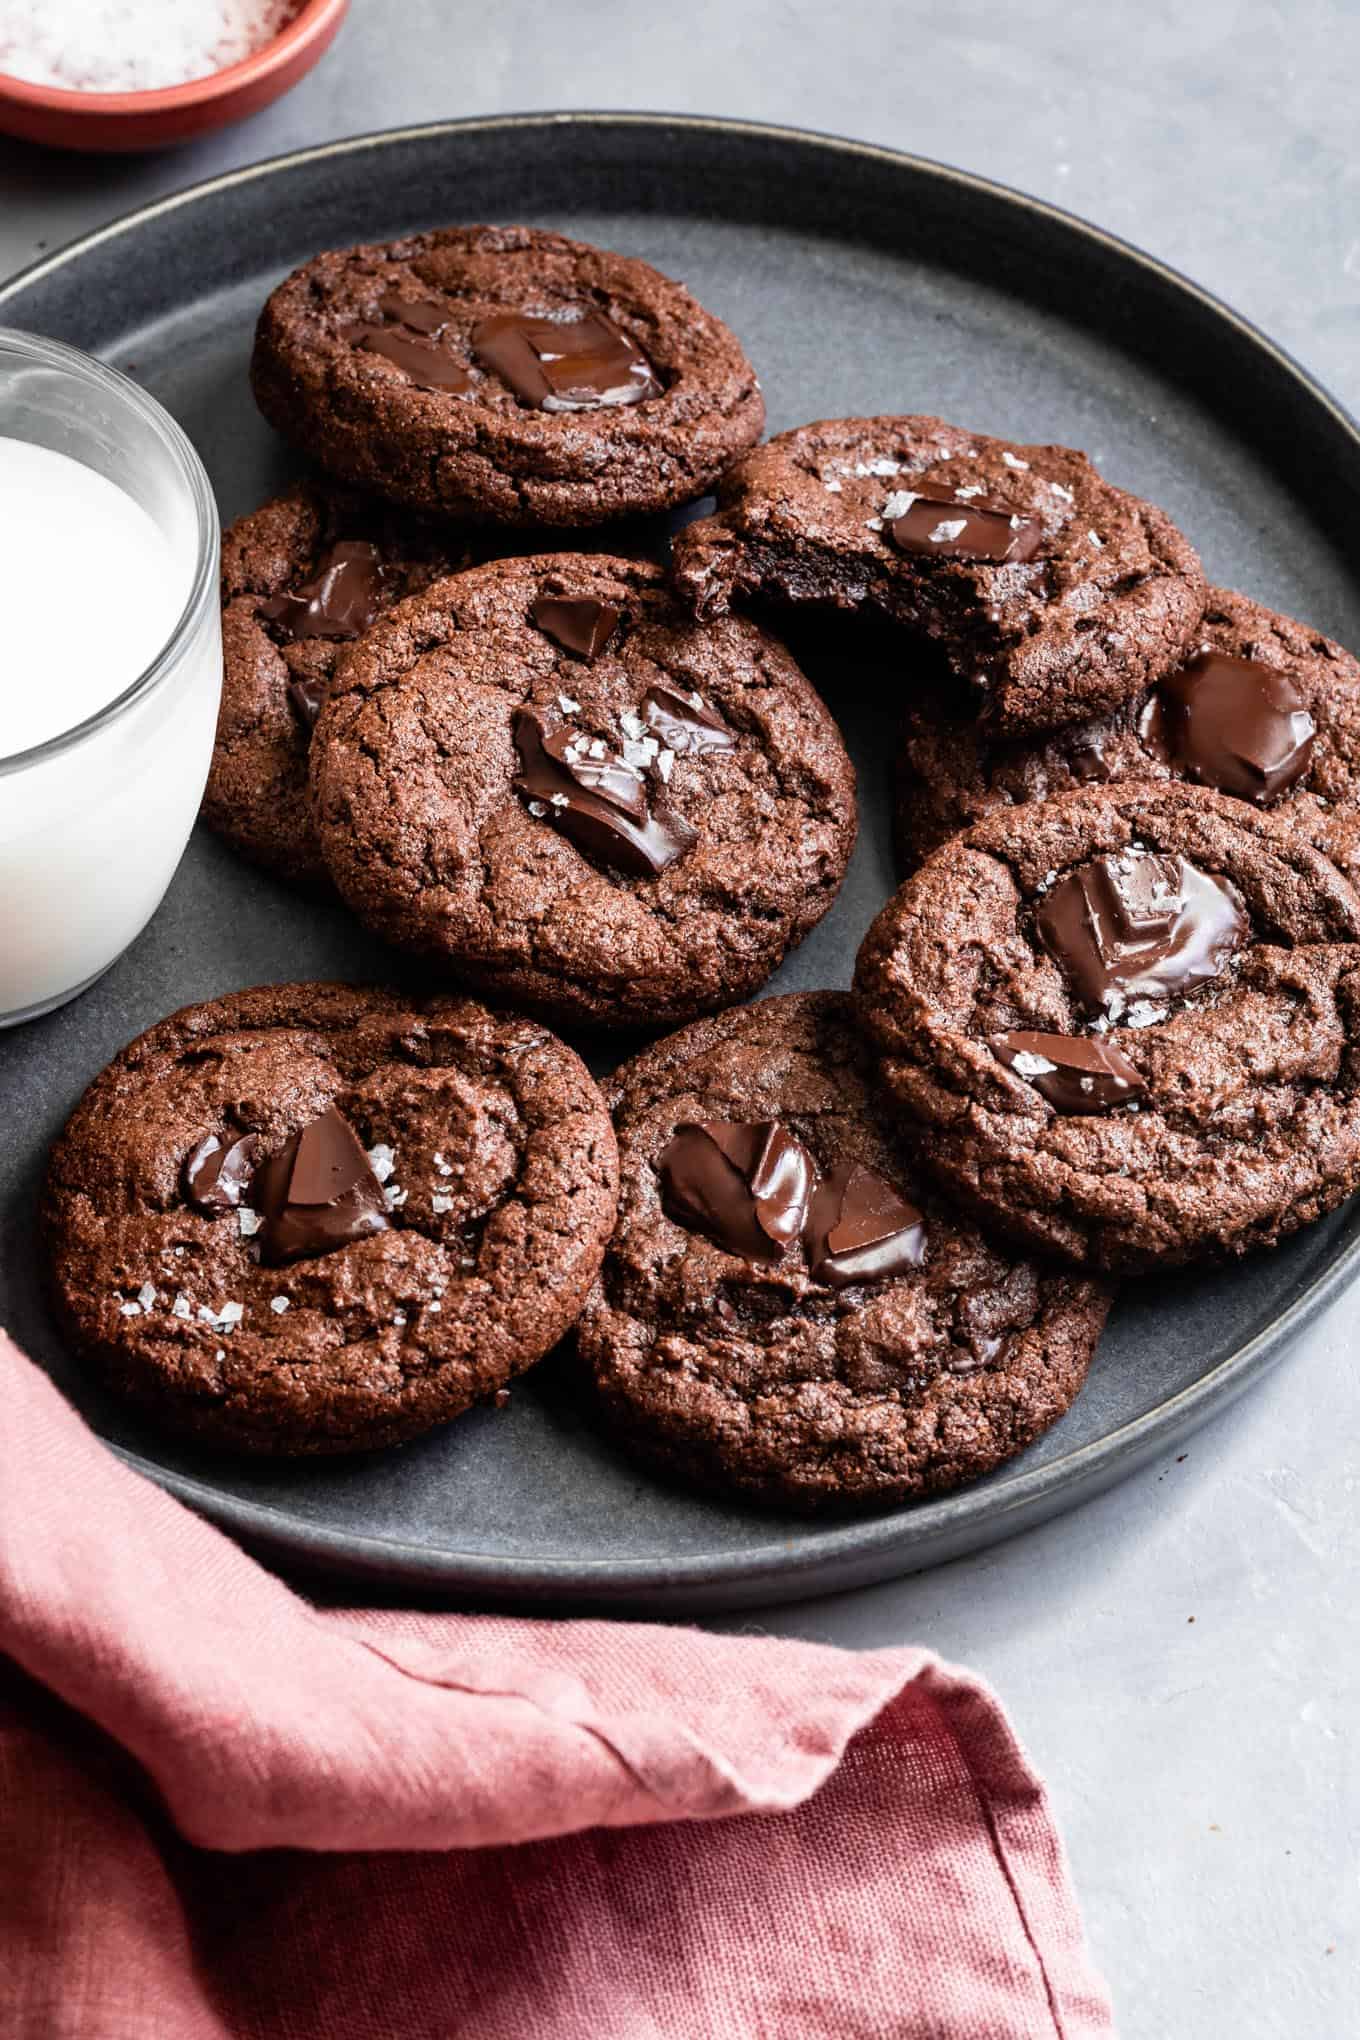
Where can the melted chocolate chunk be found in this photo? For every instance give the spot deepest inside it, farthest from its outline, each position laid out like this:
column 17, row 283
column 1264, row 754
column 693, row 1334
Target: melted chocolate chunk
column 962, row 531
column 1235, row 724
column 600, row 802
column 430, row 367
column 580, row 364
column 1140, row 926
column 859, row 1230
column 317, row 1193
column 307, row 697
column 746, row 1187
column 1074, row 1072
column 1087, row 760
column 684, row 722
column 421, row 315
column 578, row 623
column 341, row 600
column 216, row 1174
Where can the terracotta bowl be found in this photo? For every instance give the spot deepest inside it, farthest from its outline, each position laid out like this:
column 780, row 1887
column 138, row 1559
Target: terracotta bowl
column 176, row 113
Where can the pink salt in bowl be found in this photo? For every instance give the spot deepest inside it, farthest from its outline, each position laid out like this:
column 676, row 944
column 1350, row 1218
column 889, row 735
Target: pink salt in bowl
column 70, row 119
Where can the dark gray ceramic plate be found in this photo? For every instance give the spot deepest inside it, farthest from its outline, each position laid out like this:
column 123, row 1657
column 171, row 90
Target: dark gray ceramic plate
column 860, row 281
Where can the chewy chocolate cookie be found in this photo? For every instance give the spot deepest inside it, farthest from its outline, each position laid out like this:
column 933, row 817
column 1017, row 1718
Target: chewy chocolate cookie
column 544, row 774
column 505, row 374
column 1052, row 594
column 1264, row 708
column 1127, row 1020
column 311, row 1218
column 302, row 578
column 784, row 1311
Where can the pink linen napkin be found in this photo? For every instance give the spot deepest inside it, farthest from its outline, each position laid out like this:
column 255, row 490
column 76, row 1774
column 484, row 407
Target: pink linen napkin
column 224, row 1812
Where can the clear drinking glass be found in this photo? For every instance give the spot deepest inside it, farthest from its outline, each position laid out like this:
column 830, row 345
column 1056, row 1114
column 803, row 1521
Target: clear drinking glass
column 94, row 821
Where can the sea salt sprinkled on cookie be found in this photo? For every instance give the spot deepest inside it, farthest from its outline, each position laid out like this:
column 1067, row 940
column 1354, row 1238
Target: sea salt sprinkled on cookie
column 278, row 1304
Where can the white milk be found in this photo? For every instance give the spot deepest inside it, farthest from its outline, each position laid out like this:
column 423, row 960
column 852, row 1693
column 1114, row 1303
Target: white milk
column 91, row 590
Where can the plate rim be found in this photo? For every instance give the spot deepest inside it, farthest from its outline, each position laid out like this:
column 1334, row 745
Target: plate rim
column 879, row 1546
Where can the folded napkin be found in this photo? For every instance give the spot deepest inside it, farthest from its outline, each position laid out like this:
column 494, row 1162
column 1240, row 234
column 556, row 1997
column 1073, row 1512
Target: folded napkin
column 224, row 1812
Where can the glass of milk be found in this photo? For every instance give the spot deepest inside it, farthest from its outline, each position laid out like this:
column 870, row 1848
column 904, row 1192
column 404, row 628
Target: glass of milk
column 110, row 664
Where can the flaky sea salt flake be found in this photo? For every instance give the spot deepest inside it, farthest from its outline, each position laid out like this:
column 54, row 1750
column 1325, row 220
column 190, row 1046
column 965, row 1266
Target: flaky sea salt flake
column 1028, row 1065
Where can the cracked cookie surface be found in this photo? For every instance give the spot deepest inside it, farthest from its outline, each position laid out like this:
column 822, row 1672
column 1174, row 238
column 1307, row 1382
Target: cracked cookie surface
column 276, row 668
column 434, row 836
column 772, row 1382
column 1237, row 1116
column 950, row 775
column 337, row 364
column 497, row 1169
column 1101, row 598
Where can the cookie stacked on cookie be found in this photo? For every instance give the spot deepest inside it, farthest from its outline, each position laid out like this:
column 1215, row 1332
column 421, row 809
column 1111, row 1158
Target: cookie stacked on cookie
column 831, row 1250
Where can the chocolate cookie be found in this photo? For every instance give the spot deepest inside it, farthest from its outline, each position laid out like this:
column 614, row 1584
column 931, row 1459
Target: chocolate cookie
column 505, row 374
column 1264, row 708
column 310, row 1218
column 1128, row 1021
column 1052, row 594
column 542, row 773
column 302, row 578
column 784, row 1310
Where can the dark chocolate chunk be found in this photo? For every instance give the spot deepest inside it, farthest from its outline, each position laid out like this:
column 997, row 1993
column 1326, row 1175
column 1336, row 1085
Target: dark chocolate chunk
column 429, row 366
column 421, row 315
column 1074, row 1072
column 1140, row 926
column 580, row 364
column 685, row 723
column 964, row 531
column 746, row 1186
column 600, row 802
column 573, row 752
column 1087, row 759
column 1232, row 723
column 317, row 1193
column 578, row 624
column 859, row 1230
column 341, row 600
column 307, row 696
column 216, row 1174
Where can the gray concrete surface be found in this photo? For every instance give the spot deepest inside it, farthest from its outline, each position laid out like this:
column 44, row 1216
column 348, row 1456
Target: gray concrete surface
column 1181, row 1657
